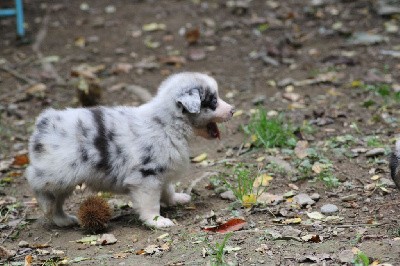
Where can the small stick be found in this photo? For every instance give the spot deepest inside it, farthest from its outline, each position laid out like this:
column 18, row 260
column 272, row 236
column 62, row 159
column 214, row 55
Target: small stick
column 15, row 226
column 197, row 180
column 17, row 75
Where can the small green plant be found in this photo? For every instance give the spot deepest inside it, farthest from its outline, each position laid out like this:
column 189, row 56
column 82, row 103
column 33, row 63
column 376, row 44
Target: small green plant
column 317, row 166
column 270, row 132
column 243, row 185
column 373, row 141
column 361, row 259
column 217, row 252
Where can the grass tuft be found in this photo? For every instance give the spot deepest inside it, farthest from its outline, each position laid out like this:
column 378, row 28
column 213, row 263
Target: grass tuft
column 270, row 132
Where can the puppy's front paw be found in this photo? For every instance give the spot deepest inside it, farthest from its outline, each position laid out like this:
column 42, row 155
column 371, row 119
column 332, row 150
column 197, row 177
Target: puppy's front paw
column 181, row 198
column 159, row 222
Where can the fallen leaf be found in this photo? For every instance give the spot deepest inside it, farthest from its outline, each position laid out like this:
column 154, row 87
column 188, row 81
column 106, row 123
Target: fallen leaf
column 192, row 36
column 312, row 238
column 152, row 249
column 262, row 180
column 121, row 68
column 80, row 42
column 292, row 221
column 267, row 198
column 199, row 158
column 375, row 177
column 88, row 239
column 107, row 239
column 120, row 255
column 315, row 215
column 318, row 167
column 229, row 249
column 20, row 160
column 301, row 149
column 234, row 224
column 28, row 260
column 249, row 200
column 154, row 26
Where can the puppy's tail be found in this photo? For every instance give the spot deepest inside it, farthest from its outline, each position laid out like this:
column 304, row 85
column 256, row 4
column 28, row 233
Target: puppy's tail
column 394, row 164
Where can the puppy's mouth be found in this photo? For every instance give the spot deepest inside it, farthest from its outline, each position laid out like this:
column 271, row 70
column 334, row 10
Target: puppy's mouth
column 213, row 131
column 209, row 131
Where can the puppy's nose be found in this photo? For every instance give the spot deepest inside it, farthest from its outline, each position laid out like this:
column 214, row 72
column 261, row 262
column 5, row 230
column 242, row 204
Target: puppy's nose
column 233, row 110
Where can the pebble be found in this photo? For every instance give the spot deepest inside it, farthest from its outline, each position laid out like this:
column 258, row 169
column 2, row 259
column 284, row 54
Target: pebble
column 329, row 208
column 107, row 239
column 375, row 152
column 387, row 182
column 260, row 99
column 315, row 196
column 346, row 256
column 228, row 195
column 303, row 199
column 23, row 244
column 351, row 197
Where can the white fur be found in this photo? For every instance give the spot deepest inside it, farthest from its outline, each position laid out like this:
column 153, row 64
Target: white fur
column 138, row 151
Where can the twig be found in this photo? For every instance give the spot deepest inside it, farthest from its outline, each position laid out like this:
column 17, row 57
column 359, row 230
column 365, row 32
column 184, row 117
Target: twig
column 47, row 66
column 15, row 226
column 17, row 75
column 197, row 180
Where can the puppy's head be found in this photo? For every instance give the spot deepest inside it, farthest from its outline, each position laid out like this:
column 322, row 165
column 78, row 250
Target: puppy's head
column 196, row 96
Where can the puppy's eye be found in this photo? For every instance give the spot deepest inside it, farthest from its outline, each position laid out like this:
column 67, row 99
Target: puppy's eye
column 210, row 102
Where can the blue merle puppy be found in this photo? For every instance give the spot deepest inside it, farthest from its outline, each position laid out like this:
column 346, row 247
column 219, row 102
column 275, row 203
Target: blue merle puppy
column 138, row 151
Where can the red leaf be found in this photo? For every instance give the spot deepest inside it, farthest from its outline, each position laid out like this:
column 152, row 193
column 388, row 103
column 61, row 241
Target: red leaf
column 20, row 160
column 192, row 36
column 234, row 224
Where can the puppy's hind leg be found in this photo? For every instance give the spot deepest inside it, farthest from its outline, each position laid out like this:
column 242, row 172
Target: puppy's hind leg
column 60, row 218
column 146, row 202
column 52, row 207
column 170, row 198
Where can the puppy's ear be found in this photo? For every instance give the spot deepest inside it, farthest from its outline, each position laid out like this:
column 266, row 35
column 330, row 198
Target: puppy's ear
column 190, row 101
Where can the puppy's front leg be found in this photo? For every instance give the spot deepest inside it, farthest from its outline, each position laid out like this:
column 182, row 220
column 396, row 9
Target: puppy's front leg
column 170, row 198
column 146, row 202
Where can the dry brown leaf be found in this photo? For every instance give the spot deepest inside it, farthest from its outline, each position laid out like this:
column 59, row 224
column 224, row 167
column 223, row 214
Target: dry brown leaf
column 234, row 224
column 301, row 149
column 192, row 36
column 20, row 160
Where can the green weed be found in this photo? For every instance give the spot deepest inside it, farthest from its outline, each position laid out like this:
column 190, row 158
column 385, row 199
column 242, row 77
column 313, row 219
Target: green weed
column 361, row 259
column 270, row 132
column 243, row 185
column 217, row 252
column 373, row 141
column 324, row 173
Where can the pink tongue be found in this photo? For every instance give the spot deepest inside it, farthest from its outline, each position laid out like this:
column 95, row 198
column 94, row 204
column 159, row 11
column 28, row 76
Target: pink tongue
column 212, row 130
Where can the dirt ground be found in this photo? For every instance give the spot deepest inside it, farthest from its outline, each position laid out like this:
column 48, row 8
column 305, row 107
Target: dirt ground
column 304, row 59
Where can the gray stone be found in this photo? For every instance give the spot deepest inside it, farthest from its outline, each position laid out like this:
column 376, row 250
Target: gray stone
column 351, row 197
column 346, row 256
column 387, row 182
column 260, row 99
column 228, row 195
column 329, row 208
column 303, row 199
column 315, row 196
column 285, row 82
column 375, row 152
column 23, row 244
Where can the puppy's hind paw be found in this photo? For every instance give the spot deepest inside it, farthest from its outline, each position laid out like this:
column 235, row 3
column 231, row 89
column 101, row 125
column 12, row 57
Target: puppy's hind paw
column 159, row 222
column 181, row 198
column 65, row 220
